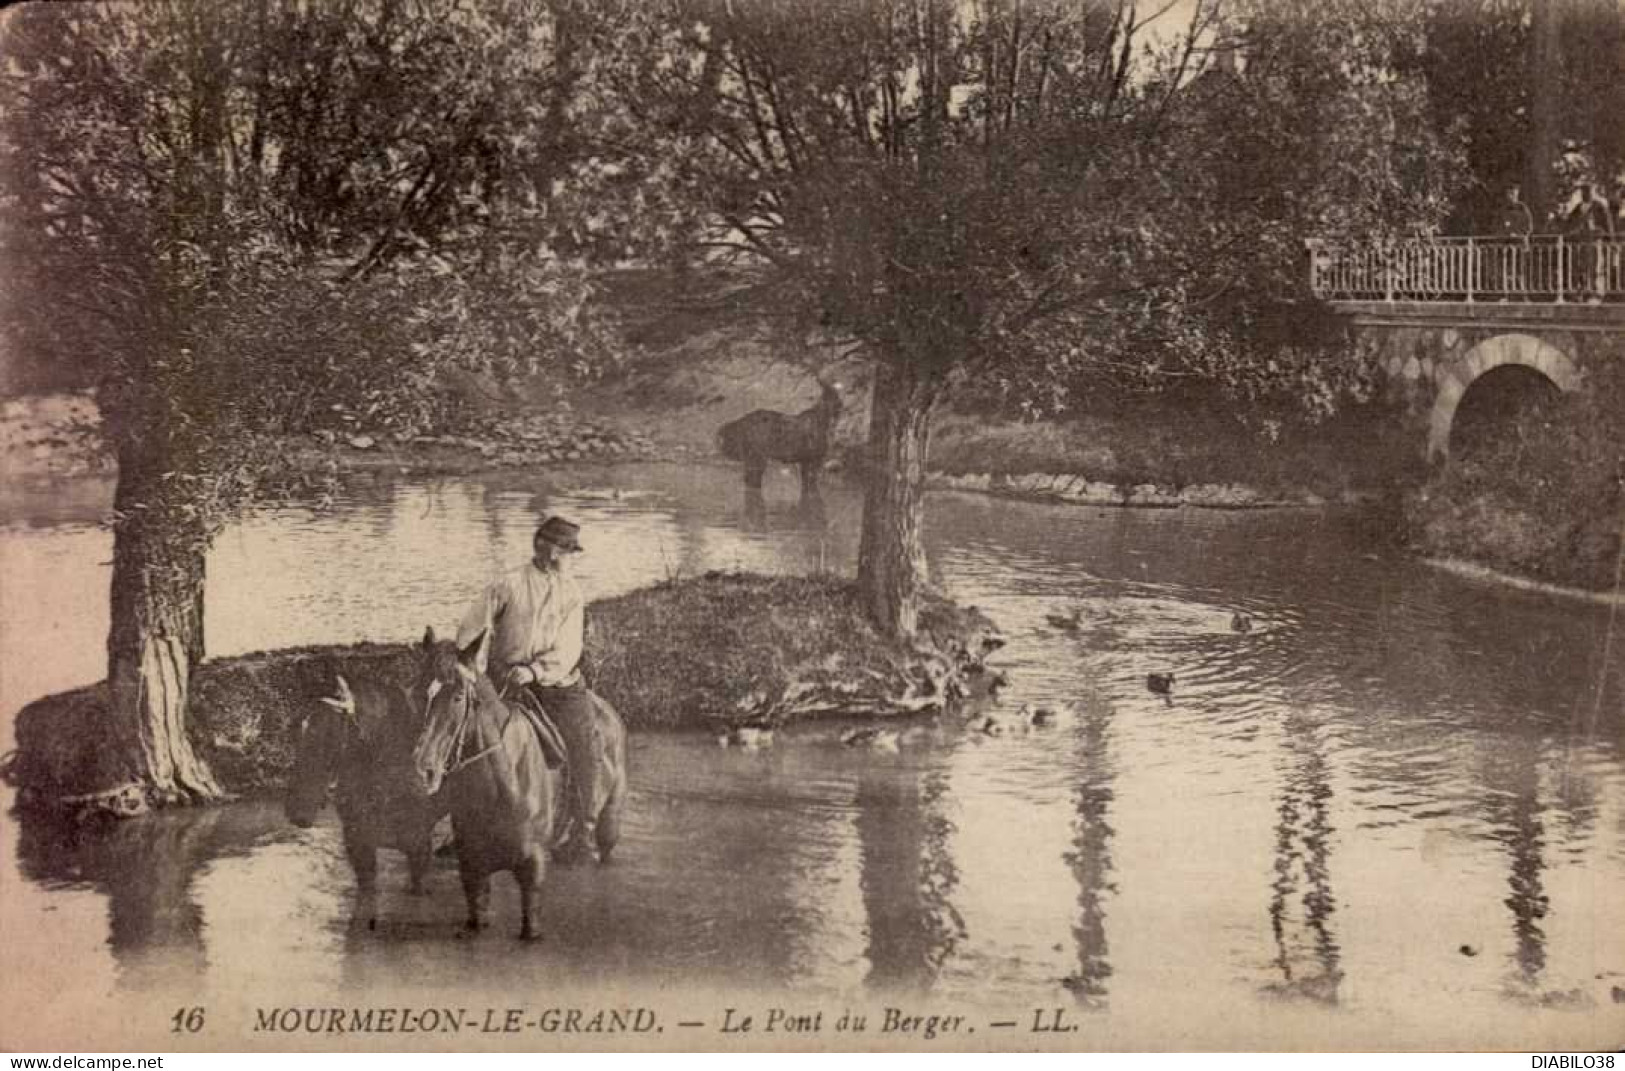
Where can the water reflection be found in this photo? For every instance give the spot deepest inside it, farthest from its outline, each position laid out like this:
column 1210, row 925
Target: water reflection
column 1389, row 764
column 809, row 513
column 1517, row 810
column 1301, row 902
column 907, row 876
column 691, row 542
column 148, row 870
column 1090, row 857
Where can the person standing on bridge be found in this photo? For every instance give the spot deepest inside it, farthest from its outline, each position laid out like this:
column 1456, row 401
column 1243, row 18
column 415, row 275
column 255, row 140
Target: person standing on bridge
column 534, row 618
column 1590, row 220
column 1516, row 222
column 1516, row 219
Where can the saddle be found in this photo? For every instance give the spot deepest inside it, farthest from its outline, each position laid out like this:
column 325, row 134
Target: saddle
column 553, row 747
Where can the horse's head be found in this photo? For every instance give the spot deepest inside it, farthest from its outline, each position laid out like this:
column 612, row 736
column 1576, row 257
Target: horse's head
column 829, row 395
column 449, row 689
column 326, row 734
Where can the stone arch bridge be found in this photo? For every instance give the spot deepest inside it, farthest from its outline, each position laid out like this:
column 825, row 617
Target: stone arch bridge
column 1450, row 319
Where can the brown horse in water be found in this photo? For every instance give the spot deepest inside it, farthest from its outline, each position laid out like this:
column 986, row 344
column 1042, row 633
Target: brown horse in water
column 358, row 744
column 801, row 439
column 483, row 757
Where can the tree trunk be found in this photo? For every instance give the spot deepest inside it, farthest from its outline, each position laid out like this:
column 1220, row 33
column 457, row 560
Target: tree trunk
column 891, row 553
column 1545, row 102
column 156, row 634
column 1597, row 66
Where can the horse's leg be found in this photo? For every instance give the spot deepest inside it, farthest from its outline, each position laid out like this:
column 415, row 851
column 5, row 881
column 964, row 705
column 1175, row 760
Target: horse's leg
column 362, row 852
column 413, row 832
column 755, row 469
column 418, row 860
column 529, row 873
column 612, row 779
column 477, row 891
column 811, row 507
column 755, row 506
column 809, row 478
column 607, row 833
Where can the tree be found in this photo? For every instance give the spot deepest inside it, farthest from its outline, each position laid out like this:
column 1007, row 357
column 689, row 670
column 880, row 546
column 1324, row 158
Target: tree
column 1577, row 90
column 1318, row 129
column 1473, row 58
column 1538, row 92
column 247, row 216
column 1005, row 189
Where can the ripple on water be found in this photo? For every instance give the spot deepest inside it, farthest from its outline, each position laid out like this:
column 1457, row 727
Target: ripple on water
column 1384, row 766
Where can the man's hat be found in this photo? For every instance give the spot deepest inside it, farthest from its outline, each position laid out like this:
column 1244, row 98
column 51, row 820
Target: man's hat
column 561, row 533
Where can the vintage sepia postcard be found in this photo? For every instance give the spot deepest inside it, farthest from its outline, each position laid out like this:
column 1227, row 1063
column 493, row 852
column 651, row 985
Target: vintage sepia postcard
column 841, row 525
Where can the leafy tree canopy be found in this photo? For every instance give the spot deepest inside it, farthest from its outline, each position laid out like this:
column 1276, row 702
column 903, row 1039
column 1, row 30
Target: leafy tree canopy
column 1043, row 196
column 246, row 217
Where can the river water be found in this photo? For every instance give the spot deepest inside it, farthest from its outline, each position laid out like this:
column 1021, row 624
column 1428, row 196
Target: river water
column 1390, row 814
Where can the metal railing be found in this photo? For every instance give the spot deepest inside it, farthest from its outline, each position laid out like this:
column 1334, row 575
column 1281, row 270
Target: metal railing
column 1541, row 268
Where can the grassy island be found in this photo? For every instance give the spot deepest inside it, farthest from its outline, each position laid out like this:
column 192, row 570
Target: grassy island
column 716, row 651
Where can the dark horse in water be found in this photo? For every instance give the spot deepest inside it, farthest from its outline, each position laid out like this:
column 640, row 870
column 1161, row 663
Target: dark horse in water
column 484, row 758
column 801, row 439
column 358, row 743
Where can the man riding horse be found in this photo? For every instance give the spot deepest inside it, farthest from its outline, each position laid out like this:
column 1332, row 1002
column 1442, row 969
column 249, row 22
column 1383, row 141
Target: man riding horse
column 534, row 618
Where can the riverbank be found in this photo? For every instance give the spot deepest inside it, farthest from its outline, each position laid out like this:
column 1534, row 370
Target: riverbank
column 1541, row 497
column 692, row 373
column 691, row 363
column 1495, row 533
column 715, row 653
column 1153, row 452
column 1146, row 455
column 1484, row 574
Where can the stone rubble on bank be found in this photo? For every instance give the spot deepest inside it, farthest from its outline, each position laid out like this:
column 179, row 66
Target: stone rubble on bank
column 60, row 436
column 1080, row 490
column 515, row 442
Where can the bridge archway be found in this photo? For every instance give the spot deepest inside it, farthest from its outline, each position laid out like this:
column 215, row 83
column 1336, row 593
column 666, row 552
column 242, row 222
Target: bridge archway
column 1500, row 351
column 1494, row 402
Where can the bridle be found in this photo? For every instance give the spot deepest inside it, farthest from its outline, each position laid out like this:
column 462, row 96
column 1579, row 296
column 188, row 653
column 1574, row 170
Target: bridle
column 465, row 718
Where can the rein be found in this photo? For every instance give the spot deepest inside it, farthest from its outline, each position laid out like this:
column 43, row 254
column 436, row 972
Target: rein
column 462, row 733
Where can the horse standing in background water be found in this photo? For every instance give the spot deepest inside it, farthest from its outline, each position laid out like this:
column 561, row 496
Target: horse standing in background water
column 802, row 439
